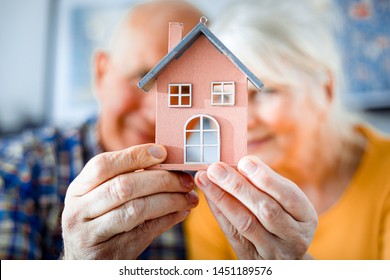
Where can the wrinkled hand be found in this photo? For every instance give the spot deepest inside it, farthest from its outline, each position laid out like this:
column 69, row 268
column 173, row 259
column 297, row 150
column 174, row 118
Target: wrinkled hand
column 112, row 212
column 262, row 214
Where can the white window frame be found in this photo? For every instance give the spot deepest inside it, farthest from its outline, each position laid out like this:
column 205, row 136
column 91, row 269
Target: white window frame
column 179, row 95
column 223, row 94
column 202, row 145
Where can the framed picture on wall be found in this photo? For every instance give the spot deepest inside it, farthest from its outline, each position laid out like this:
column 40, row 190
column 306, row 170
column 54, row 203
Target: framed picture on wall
column 366, row 44
column 82, row 27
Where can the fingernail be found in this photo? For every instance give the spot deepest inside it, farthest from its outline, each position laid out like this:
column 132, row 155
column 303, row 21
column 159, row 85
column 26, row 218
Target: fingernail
column 248, row 166
column 186, row 180
column 157, row 152
column 192, row 197
column 184, row 214
column 203, row 179
column 218, row 171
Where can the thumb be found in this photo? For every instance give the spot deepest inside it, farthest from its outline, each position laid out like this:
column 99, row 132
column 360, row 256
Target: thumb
column 111, row 164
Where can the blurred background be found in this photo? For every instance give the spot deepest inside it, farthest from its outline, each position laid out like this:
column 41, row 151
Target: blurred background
column 46, row 48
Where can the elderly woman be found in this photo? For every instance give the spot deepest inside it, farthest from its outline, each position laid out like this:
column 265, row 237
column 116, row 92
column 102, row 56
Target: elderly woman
column 316, row 183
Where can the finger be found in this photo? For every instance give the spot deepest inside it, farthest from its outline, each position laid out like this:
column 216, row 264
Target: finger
column 268, row 211
column 285, row 192
column 108, row 165
column 238, row 215
column 130, row 245
column 129, row 186
column 135, row 212
column 241, row 246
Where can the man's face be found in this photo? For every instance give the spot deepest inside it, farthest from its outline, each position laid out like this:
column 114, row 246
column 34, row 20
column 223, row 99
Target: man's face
column 127, row 116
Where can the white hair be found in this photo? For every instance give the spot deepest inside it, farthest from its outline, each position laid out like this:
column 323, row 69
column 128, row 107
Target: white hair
column 279, row 40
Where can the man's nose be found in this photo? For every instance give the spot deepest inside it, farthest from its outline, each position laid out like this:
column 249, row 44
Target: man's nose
column 147, row 101
column 137, row 96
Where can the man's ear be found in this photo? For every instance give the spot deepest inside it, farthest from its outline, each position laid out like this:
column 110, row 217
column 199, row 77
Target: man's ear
column 101, row 61
column 329, row 86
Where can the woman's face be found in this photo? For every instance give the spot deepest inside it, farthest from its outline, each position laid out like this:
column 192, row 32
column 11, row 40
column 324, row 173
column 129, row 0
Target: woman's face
column 284, row 123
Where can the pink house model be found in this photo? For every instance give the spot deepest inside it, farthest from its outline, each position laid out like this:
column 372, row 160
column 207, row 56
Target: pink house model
column 202, row 100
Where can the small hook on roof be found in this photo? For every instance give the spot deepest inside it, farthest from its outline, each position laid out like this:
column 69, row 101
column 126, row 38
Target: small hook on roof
column 203, row 20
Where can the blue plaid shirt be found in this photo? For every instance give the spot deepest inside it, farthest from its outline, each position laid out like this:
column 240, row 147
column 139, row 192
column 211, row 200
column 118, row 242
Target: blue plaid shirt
column 36, row 169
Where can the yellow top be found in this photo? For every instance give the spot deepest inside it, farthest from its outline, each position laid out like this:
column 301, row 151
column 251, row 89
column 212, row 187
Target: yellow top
column 356, row 227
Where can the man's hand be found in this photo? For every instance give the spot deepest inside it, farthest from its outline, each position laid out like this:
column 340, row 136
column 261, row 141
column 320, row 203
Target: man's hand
column 263, row 215
column 113, row 212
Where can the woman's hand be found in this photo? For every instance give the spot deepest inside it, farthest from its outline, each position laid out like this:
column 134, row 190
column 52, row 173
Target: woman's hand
column 263, row 215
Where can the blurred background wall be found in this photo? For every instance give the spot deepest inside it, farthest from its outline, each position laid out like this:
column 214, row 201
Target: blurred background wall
column 46, row 48
column 24, row 30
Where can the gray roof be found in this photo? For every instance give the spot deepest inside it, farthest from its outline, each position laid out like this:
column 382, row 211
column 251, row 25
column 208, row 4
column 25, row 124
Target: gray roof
column 148, row 80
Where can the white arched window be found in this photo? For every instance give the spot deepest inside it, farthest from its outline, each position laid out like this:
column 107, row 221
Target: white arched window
column 201, row 140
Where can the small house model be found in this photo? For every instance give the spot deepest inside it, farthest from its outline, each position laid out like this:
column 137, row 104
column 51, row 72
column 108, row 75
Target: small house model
column 202, row 100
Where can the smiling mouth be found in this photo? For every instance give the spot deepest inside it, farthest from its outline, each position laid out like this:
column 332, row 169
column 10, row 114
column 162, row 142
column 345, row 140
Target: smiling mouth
column 258, row 142
column 146, row 133
column 147, row 136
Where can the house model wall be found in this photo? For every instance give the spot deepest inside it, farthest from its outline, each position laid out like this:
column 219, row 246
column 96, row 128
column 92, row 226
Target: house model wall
column 202, row 101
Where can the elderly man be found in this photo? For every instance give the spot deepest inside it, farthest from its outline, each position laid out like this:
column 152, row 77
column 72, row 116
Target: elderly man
column 108, row 210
